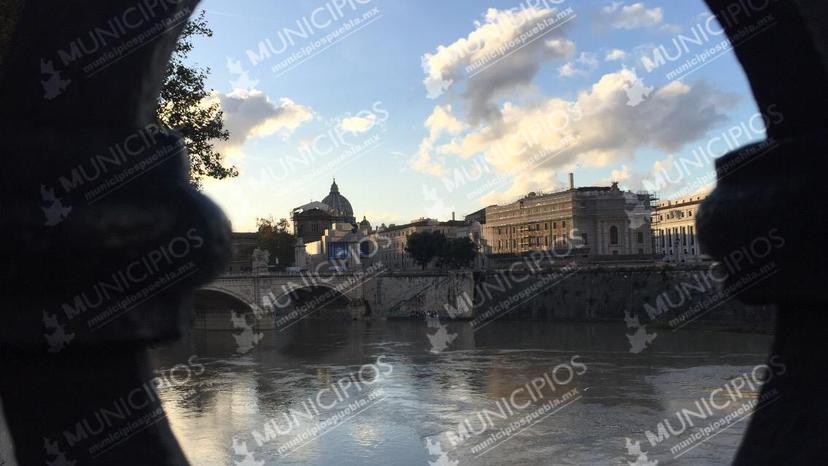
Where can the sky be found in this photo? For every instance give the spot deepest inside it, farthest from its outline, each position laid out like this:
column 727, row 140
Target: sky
column 423, row 108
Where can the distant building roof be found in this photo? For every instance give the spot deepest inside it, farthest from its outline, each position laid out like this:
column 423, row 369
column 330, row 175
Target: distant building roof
column 426, row 222
column 311, row 206
column 338, row 202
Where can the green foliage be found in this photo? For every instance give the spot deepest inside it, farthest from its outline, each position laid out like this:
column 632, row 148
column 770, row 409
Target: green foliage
column 274, row 237
column 425, row 246
column 454, row 253
column 458, row 253
column 183, row 106
column 9, row 12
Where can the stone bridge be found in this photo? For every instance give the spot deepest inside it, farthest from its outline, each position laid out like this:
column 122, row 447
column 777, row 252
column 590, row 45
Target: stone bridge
column 279, row 299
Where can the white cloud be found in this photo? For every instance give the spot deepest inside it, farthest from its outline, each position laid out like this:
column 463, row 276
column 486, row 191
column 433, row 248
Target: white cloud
column 358, row 124
column 620, row 16
column 522, row 184
column 621, row 176
column 251, row 114
column 671, row 28
column 582, row 66
column 441, row 121
column 616, row 55
column 597, row 129
column 496, row 72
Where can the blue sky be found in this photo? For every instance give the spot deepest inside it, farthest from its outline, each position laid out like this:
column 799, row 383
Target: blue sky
column 368, row 87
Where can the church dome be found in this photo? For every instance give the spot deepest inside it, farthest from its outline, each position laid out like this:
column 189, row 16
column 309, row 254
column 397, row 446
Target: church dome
column 338, row 202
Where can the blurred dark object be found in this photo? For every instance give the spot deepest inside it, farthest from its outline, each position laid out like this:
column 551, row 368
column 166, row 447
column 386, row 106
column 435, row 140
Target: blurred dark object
column 103, row 239
column 777, row 194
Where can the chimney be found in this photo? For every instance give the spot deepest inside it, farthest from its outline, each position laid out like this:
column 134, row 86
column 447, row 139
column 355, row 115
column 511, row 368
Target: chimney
column 452, row 216
column 571, row 181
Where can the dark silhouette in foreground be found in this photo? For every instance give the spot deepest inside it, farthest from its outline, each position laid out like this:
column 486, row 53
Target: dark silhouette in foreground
column 103, row 237
column 780, row 189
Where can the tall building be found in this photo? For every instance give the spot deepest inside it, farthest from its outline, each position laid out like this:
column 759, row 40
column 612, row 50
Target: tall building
column 311, row 220
column 674, row 230
column 597, row 220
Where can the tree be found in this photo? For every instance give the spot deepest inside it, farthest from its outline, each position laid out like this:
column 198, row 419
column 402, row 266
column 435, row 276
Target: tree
column 185, row 107
column 273, row 237
column 423, row 247
column 9, row 13
column 458, row 252
column 184, row 103
column 282, row 225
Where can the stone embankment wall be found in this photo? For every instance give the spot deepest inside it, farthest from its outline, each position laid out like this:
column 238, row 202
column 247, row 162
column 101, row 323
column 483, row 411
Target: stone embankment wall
column 398, row 295
column 661, row 296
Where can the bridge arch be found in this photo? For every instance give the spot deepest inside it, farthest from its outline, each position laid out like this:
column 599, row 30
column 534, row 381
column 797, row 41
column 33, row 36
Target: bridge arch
column 213, row 308
column 312, row 301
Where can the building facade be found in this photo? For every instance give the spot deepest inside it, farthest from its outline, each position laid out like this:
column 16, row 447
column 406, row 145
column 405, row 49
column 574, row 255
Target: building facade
column 243, row 245
column 674, row 230
column 392, row 240
column 597, row 220
column 311, row 220
column 340, row 248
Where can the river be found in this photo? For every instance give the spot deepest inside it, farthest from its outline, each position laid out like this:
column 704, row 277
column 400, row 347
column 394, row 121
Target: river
column 408, row 393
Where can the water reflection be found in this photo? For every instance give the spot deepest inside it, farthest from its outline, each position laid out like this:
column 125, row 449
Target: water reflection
column 428, row 395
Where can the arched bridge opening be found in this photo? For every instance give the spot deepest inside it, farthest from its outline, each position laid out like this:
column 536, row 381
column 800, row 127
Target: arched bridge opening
column 220, row 310
column 315, row 302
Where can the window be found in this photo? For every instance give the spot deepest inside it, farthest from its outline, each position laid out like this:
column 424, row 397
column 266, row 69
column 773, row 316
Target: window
column 613, row 235
column 584, row 238
column 640, row 237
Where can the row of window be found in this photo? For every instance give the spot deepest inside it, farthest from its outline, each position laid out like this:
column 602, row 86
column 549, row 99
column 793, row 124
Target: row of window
column 639, row 236
column 530, row 227
column 676, row 235
column 674, row 214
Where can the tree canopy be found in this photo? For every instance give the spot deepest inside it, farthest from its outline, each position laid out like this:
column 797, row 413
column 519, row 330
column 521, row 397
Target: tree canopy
column 458, row 253
column 275, row 238
column 185, row 107
column 424, row 247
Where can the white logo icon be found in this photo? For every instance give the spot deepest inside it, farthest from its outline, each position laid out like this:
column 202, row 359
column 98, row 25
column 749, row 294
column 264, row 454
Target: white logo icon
column 54, row 85
column 639, row 340
column 637, row 213
column 55, row 212
column 58, row 339
column 636, row 91
column 240, row 449
column 53, row 449
column 434, row 86
column 243, row 81
column 247, row 339
column 441, row 339
column 435, row 449
column 437, row 207
column 634, row 449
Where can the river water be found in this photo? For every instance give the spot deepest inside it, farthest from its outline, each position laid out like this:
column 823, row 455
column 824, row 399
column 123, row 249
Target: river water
column 409, row 393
